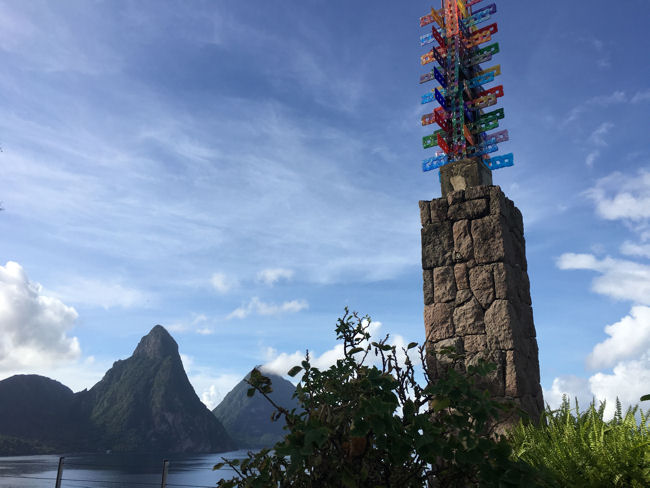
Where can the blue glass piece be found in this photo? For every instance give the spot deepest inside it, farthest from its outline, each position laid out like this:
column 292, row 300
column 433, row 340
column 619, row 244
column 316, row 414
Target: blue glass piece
column 486, row 147
column 428, row 97
column 426, row 39
column 441, row 99
column 439, row 59
column 441, row 79
column 481, row 80
column 434, row 162
column 498, row 162
column 476, row 18
column 464, row 30
column 468, row 113
column 491, row 9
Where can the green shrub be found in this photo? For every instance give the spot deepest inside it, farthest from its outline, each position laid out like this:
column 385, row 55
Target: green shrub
column 582, row 449
column 360, row 425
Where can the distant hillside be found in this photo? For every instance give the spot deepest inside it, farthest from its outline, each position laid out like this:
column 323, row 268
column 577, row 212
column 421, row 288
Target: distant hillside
column 37, row 415
column 248, row 419
column 143, row 403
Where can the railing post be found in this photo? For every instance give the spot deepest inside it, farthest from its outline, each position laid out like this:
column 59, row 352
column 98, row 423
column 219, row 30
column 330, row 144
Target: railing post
column 59, row 473
column 163, row 483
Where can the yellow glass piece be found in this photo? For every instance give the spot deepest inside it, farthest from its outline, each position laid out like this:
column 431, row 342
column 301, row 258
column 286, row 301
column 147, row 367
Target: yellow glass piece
column 461, row 6
column 496, row 69
column 436, row 16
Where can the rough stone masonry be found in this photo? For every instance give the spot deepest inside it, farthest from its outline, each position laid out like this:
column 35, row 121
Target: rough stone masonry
column 476, row 289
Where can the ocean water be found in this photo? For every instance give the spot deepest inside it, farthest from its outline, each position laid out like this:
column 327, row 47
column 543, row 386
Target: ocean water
column 114, row 470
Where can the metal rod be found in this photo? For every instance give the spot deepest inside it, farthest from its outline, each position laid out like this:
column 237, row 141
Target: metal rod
column 59, row 473
column 163, row 483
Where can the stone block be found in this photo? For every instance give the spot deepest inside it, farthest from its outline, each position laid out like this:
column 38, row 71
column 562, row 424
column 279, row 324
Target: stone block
column 463, row 296
column 437, row 245
column 494, row 382
column 500, row 275
column 427, row 286
column 474, row 192
column 438, row 321
column 444, row 284
column 456, row 197
column 464, row 174
column 500, row 325
column 425, row 212
column 475, row 343
column 463, row 247
column 482, row 284
column 517, row 381
column 489, row 239
column 469, row 209
column 460, row 274
column 468, row 318
column 497, row 202
column 437, row 360
column 438, row 210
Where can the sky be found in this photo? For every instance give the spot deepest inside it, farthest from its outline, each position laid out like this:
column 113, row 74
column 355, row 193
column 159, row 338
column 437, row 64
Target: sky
column 240, row 172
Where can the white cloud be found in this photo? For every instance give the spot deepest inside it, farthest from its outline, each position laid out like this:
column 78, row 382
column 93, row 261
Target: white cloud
column 629, row 338
column 643, row 96
column 270, row 276
column 631, row 249
column 622, row 197
column 597, row 139
column 599, row 133
column 591, row 157
column 101, row 293
column 209, row 386
column 628, row 381
column 216, row 388
column 222, row 283
column 572, row 387
column 195, row 324
column 620, row 279
column 33, row 326
column 599, row 101
column 281, row 363
column 270, row 309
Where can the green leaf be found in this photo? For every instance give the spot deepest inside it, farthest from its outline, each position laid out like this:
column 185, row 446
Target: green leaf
column 412, row 345
column 355, row 350
column 438, row 405
column 250, row 392
column 294, row 371
column 645, row 398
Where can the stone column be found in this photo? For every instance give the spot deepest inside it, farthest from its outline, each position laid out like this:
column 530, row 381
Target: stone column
column 476, row 289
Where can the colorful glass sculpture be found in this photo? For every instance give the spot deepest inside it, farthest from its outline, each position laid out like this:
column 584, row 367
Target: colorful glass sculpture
column 458, row 49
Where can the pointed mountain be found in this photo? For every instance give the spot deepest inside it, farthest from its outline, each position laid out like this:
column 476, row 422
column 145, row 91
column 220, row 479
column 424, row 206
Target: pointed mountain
column 248, row 419
column 146, row 403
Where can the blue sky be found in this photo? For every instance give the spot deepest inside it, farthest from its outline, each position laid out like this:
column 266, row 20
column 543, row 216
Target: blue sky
column 239, row 172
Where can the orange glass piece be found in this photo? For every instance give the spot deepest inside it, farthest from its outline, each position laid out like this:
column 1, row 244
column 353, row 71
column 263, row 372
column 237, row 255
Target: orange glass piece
column 451, row 18
column 443, row 144
column 468, row 135
column 428, row 119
